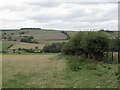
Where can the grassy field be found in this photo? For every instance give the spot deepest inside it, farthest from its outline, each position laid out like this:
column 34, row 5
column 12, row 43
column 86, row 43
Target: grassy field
column 72, row 33
column 6, row 45
column 37, row 34
column 47, row 35
column 26, row 46
column 31, row 45
column 54, row 71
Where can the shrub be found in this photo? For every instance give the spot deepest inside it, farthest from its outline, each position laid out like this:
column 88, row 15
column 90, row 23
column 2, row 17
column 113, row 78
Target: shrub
column 95, row 44
column 114, row 44
column 92, row 44
column 52, row 48
column 28, row 39
column 73, row 47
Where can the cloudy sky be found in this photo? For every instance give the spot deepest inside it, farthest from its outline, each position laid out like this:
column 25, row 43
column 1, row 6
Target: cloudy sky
column 59, row 14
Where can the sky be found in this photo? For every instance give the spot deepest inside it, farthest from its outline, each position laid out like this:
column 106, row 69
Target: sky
column 73, row 15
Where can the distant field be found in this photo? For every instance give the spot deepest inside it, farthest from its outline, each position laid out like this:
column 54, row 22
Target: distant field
column 53, row 71
column 38, row 34
column 32, row 46
column 114, row 33
column 17, row 45
column 6, row 45
column 47, row 35
column 52, row 41
column 72, row 33
column 26, row 46
column 42, row 36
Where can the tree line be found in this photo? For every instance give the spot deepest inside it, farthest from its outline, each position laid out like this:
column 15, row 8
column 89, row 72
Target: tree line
column 91, row 45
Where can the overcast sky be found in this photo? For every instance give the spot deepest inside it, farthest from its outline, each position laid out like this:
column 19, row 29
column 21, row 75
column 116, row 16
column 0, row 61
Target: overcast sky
column 59, row 14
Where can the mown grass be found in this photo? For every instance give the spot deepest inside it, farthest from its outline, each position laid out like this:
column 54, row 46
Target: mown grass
column 56, row 71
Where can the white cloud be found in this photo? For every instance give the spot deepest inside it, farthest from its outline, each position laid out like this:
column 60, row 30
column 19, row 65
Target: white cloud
column 66, row 14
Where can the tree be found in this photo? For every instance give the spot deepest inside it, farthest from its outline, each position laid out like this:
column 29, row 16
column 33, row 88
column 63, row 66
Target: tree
column 28, row 39
column 53, row 48
column 36, row 47
column 73, row 47
column 95, row 44
column 9, row 38
column 4, row 33
column 12, row 33
column 91, row 44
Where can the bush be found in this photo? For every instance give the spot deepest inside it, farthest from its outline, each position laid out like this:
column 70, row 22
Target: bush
column 28, row 39
column 114, row 45
column 95, row 44
column 73, row 47
column 53, row 48
column 92, row 44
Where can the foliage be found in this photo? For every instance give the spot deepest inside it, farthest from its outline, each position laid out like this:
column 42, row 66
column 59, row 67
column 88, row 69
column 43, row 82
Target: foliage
column 114, row 44
column 22, row 33
column 95, row 44
column 65, row 33
column 73, row 47
column 53, row 48
column 91, row 44
column 28, row 39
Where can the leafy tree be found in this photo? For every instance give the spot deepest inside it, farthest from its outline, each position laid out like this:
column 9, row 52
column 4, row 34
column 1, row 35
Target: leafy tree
column 36, row 48
column 9, row 38
column 95, row 44
column 91, row 44
column 52, row 48
column 114, row 45
column 73, row 47
column 28, row 39
column 4, row 33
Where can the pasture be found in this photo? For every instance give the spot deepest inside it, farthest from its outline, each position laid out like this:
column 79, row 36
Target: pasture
column 6, row 45
column 54, row 71
column 47, row 35
column 39, row 35
column 26, row 46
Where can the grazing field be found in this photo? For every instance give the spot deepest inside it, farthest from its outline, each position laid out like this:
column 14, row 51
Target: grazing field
column 37, row 34
column 72, row 33
column 47, row 35
column 6, row 45
column 44, row 35
column 54, row 71
column 26, row 46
